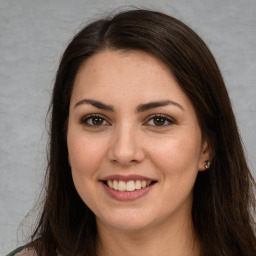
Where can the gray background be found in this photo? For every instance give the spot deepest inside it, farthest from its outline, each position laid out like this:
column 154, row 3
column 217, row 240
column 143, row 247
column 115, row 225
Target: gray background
column 33, row 35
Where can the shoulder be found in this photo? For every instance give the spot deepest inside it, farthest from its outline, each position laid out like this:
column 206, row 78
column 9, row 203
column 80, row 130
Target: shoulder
column 21, row 251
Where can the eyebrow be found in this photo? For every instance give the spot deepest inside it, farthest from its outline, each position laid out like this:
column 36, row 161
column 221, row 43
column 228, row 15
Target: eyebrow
column 139, row 108
column 156, row 104
column 96, row 104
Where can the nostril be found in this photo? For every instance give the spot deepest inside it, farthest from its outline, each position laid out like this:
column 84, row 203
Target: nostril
column 125, row 151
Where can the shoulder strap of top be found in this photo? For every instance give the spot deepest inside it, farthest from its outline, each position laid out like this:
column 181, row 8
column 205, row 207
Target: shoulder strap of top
column 15, row 251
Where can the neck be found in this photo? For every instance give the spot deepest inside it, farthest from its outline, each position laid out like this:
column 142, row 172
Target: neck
column 178, row 240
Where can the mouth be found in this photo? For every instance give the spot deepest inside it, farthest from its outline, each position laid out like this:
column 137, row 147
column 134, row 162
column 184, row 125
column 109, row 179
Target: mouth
column 128, row 186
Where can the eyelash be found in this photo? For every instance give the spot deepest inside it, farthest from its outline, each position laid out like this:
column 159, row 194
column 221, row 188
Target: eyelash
column 85, row 120
column 162, row 117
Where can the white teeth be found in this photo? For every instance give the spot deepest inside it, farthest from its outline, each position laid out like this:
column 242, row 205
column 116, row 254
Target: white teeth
column 128, row 186
column 138, row 184
column 110, row 183
column 115, row 185
column 121, row 185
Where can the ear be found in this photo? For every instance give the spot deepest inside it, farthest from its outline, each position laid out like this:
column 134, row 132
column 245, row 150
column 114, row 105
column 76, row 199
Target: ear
column 206, row 155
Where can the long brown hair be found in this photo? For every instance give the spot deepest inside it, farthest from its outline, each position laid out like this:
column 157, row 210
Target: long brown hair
column 223, row 202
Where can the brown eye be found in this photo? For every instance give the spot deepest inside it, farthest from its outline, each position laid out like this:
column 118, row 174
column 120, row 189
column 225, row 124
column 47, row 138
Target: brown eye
column 94, row 120
column 159, row 121
column 97, row 120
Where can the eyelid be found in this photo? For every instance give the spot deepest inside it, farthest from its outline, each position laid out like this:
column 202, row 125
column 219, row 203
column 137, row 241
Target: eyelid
column 167, row 118
column 87, row 117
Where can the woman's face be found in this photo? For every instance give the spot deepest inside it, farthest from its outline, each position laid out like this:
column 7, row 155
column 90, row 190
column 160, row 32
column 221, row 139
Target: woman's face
column 134, row 142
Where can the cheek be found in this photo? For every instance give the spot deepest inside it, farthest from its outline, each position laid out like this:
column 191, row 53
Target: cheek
column 85, row 158
column 85, row 154
column 177, row 155
column 176, row 161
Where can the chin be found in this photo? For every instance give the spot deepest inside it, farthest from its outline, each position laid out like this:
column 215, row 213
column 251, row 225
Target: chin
column 126, row 222
column 129, row 227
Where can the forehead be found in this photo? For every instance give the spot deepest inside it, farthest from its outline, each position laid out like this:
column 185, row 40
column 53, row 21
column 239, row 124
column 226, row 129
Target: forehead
column 119, row 62
column 128, row 75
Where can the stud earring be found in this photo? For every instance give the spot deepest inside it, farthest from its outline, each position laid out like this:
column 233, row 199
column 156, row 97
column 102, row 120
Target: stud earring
column 207, row 164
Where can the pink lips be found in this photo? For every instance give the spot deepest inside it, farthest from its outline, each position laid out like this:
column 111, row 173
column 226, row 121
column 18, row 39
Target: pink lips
column 125, row 178
column 127, row 195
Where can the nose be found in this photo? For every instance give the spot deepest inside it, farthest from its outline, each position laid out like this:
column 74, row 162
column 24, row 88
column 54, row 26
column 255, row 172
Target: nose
column 125, row 147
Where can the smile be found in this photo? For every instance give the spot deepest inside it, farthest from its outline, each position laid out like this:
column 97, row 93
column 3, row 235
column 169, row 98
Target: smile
column 128, row 186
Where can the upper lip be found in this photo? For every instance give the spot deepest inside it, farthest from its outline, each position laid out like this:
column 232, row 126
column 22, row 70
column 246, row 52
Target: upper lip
column 126, row 177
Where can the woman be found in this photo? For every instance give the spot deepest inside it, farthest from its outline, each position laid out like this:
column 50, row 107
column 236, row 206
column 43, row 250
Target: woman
column 145, row 156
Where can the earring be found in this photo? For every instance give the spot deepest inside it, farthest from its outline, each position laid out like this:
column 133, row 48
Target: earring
column 207, row 164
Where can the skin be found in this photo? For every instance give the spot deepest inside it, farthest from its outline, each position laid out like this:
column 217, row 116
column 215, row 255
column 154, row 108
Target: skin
column 125, row 141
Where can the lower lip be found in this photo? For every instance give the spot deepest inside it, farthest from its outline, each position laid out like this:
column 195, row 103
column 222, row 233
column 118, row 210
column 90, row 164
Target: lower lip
column 127, row 195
